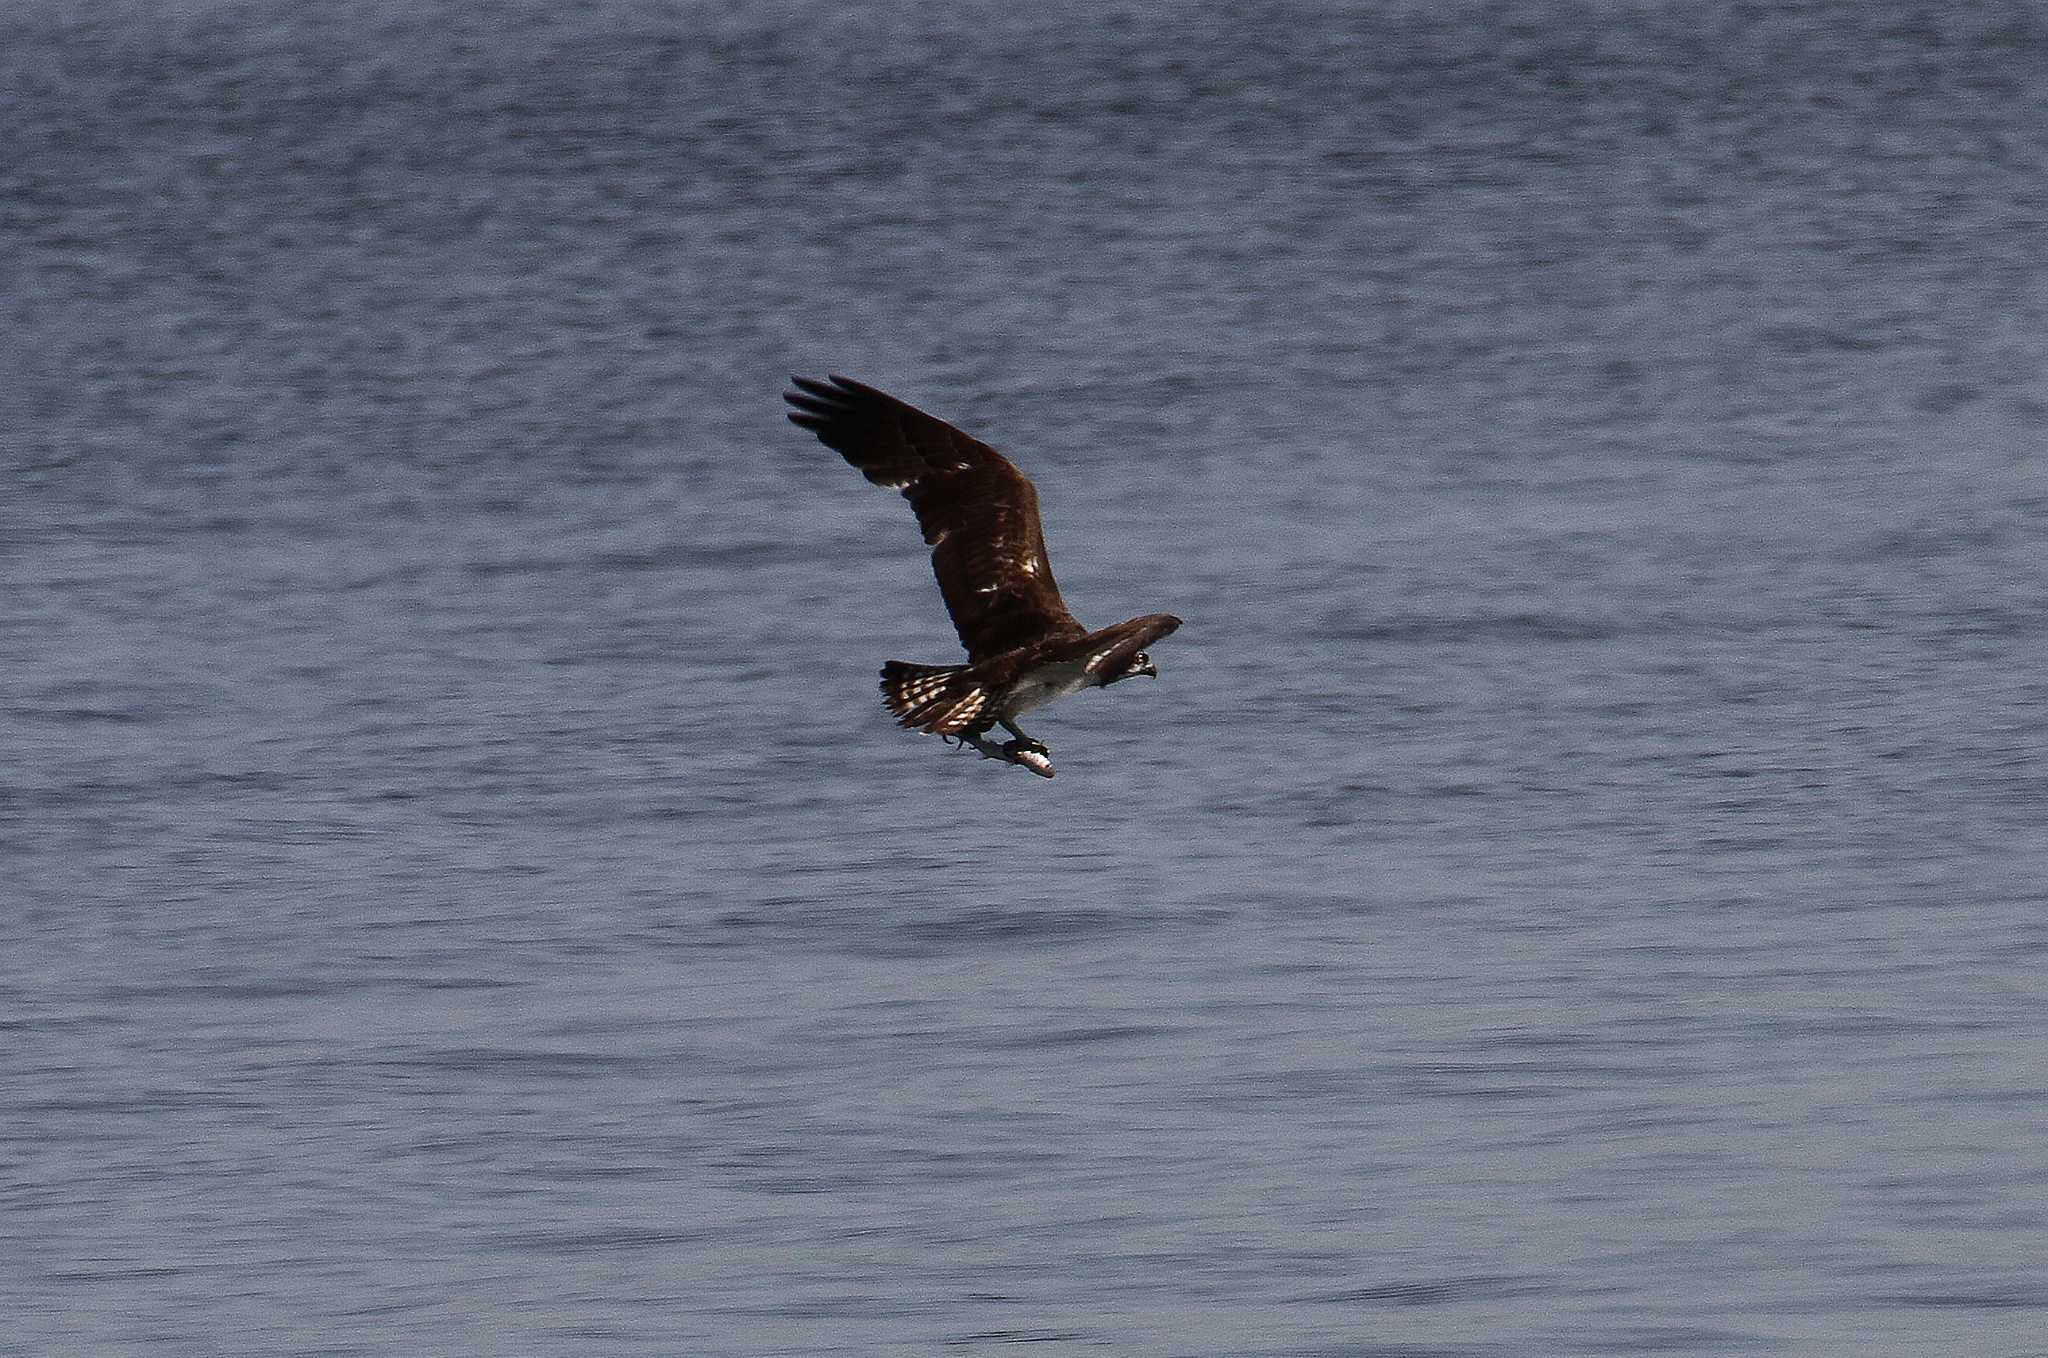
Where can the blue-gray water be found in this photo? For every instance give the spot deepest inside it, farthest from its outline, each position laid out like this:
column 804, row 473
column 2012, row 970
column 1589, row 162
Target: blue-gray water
column 1577, row 887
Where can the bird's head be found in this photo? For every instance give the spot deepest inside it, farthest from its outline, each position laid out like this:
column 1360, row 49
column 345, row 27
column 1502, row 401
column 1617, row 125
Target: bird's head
column 1139, row 663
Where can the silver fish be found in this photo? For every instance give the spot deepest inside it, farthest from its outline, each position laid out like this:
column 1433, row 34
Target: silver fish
column 1027, row 754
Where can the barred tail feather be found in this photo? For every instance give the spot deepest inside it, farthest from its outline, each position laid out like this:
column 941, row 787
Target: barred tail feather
column 942, row 699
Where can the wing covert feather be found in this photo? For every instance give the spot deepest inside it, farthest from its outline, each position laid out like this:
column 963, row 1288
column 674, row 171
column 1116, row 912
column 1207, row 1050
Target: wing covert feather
column 978, row 513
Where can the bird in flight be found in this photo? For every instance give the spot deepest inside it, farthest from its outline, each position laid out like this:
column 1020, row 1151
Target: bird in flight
column 980, row 518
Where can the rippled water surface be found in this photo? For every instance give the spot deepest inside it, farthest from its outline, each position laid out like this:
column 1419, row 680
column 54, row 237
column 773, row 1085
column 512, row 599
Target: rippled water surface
column 1576, row 887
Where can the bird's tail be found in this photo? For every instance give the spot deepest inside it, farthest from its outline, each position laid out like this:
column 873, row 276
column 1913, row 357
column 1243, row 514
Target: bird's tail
column 946, row 700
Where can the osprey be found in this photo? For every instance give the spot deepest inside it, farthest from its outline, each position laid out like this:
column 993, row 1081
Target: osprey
column 980, row 518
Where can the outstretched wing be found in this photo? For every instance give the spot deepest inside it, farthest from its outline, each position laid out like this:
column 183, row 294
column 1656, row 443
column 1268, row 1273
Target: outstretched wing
column 979, row 514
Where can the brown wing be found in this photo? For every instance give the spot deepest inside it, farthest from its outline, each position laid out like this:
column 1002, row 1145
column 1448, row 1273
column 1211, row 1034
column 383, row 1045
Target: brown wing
column 1112, row 648
column 979, row 514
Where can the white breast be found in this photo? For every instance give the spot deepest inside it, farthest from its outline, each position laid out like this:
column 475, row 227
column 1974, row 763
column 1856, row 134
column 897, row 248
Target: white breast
column 1048, row 683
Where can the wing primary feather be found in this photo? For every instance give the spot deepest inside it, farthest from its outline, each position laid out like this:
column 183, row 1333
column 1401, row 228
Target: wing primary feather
column 978, row 513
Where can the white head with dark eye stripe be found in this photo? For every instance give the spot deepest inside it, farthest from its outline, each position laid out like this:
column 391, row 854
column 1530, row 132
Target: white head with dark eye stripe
column 1139, row 663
